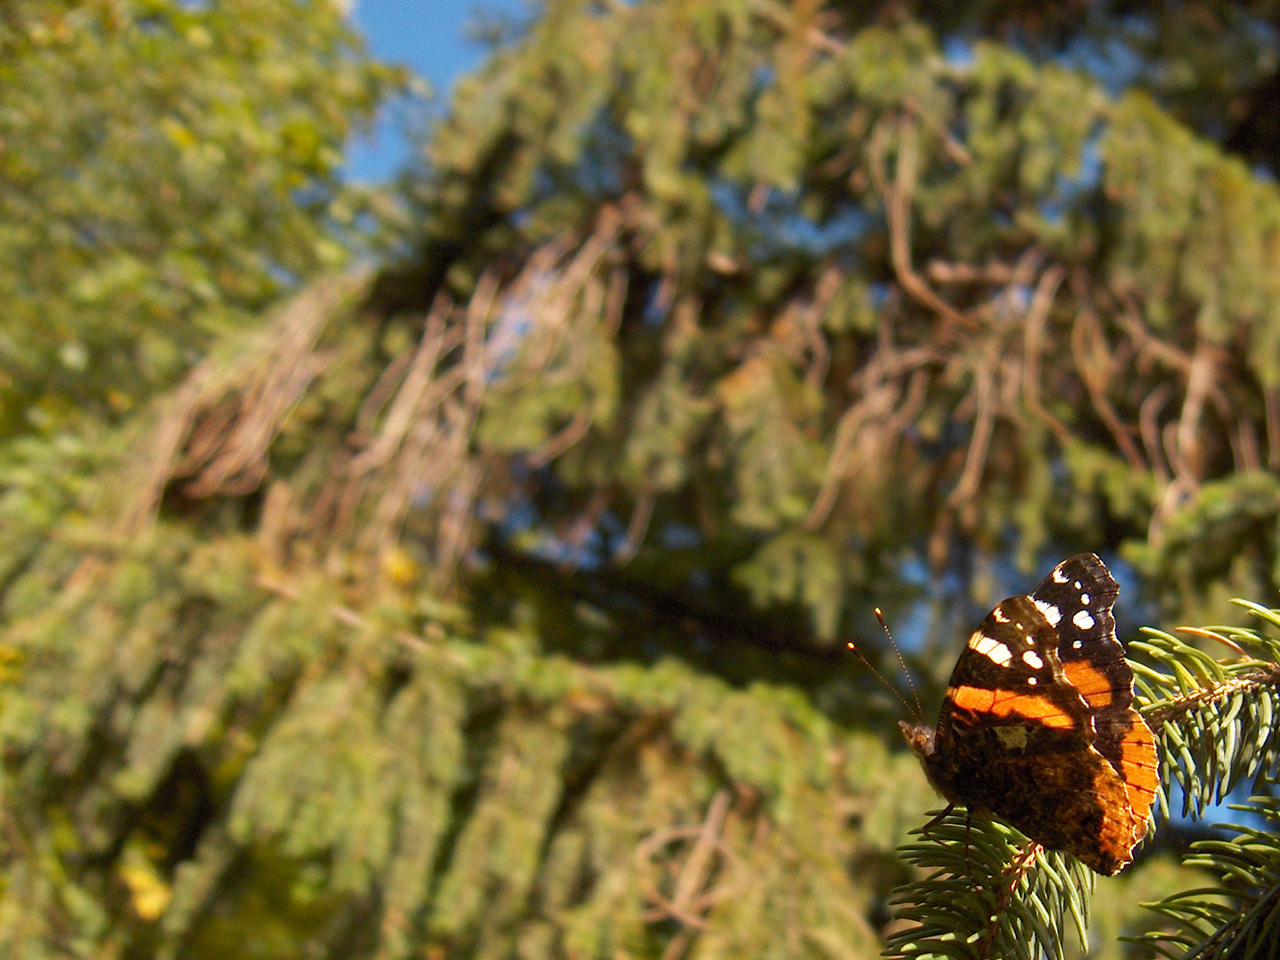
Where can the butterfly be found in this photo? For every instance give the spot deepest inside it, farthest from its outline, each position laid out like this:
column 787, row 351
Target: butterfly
column 1038, row 725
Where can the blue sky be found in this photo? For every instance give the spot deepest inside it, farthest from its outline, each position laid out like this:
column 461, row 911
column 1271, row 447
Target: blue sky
column 430, row 37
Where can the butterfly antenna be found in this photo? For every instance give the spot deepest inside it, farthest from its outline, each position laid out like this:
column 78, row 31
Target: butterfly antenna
column 879, row 676
column 902, row 663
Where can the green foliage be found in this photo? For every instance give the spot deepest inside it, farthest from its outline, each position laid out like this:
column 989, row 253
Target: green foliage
column 985, row 895
column 461, row 780
column 166, row 170
column 482, row 604
column 795, row 567
column 1216, row 545
column 1240, row 916
column 823, row 278
column 1214, row 721
column 1172, row 249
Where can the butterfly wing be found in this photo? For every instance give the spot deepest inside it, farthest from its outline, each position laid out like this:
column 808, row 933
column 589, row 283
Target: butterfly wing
column 1077, row 597
column 1016, row 737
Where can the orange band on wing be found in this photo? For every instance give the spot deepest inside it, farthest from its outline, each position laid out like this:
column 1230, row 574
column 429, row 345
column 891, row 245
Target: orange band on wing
column 1005, row 703
column 1138, row 766
column 1092, row 683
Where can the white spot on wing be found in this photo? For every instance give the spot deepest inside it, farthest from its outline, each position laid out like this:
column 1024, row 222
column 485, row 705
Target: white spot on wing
column 993, row 650
column 1084, row 598
column 1078, row 584
column 999, row 615
column 1032, row 660
column 1051, row 613
column 1032, row 681
column 1083, row 620
column 1058, row 575
column 1077, row 644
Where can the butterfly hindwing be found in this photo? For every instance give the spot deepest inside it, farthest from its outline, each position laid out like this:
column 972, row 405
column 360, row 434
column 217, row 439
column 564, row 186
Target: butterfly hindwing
column 1083, row 592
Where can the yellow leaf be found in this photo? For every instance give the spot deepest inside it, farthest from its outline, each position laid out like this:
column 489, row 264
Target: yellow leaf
column 400, row 567
column 148, row 891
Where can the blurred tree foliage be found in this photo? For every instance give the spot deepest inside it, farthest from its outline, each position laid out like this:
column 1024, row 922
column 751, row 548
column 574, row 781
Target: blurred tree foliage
column 166, row 169
column 487, row 605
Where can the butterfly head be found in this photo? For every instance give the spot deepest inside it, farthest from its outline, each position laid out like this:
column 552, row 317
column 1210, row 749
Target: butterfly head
column 920, row 737
column 923, row 741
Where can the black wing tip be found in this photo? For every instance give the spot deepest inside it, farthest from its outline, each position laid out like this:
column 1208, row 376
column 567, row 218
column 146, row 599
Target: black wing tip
column 1084, row 567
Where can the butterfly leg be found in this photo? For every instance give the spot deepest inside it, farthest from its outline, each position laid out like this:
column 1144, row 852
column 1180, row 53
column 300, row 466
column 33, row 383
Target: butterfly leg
column 1019, row 867
column 968, row 823
column 924, row 831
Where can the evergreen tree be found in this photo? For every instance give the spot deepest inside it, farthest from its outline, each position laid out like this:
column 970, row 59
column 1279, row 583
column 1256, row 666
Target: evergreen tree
column 167, row 169
column 490, row 603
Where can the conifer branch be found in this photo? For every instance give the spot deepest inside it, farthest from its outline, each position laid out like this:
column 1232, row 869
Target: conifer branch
column 987, row 892
column 1213, row 721
column 1240, row 916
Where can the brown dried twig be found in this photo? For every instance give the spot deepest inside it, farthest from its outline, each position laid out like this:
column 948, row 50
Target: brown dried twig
column 879, row 387
column 1199, row 386
column 218, row 426
column 641, row 513
column 691, row 897
column 983, row 394
column 897, row 194
column 1037, row 316
column 1094, row 365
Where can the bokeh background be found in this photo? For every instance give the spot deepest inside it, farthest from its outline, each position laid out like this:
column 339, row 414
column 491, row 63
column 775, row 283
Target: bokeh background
column 440, row 469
